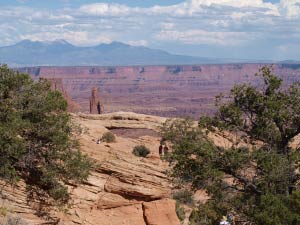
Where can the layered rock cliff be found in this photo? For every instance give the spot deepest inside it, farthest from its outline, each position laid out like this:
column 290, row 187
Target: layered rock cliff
column 122, row 190
column 57, row 85
column 158, row 90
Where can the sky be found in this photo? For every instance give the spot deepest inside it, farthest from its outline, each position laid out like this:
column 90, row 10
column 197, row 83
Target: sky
column 234, row 29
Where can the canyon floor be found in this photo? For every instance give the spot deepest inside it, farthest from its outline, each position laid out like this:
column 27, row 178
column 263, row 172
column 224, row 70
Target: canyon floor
column 168, row 91
column 122, row 189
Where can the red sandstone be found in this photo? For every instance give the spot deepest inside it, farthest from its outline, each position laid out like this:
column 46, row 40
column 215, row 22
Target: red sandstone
column 158, row 90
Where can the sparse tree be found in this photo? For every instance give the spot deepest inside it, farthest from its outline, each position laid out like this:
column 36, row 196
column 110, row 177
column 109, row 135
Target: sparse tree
column 259, row 183
column 36, row 136
column 108, row 137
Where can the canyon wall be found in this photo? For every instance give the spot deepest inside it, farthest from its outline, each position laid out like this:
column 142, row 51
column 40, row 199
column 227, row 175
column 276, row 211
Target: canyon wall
column 122, row 189
column 158, row 90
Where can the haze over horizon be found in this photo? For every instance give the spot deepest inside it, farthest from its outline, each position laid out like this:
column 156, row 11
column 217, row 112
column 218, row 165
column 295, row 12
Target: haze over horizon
column 241, row 29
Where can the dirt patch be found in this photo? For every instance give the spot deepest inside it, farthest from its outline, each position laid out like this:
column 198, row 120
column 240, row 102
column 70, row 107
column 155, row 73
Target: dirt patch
column 134, row 133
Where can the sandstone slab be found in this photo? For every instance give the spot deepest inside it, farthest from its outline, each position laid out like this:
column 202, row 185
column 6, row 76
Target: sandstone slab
column 160, row 212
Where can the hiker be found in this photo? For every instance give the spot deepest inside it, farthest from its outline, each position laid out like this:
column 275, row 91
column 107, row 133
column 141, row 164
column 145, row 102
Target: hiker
column 160, row 150
column 230, row 219
column 166, row 150
column 98, row 141
column 224, row 221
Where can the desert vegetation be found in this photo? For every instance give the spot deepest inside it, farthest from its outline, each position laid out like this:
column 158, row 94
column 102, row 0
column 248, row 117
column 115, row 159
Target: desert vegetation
column 184, row 196
column 108, row 137
column 260, row 182
column 37, row 137
column 179, row 211
column 140, row 151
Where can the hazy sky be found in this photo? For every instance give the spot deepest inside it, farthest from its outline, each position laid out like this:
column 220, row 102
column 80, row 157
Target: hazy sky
column 246, row 29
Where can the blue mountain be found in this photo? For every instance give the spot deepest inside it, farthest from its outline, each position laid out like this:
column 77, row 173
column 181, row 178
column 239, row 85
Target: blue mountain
column 62, row 53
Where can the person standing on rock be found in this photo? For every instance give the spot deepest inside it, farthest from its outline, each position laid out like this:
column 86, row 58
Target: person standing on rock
column 160, row 150
column 166, row 151
column 231, row 218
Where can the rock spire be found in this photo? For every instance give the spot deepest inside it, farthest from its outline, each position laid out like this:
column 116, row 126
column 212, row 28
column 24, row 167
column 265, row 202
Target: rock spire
column 96, row 106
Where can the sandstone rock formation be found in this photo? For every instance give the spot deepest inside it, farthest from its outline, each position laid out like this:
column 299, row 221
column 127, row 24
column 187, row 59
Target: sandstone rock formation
column 160, row 212
column 96, row 106
column 122, row 190
column 124, row 120
column 57, row 85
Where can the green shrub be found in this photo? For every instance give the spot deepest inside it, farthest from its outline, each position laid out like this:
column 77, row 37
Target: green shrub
column 37, row 135
column 180, row 211
column 59, row 193
column 3, row 211
column 266, row 183
column 140, row 151
column 206, row 214
column 108, row 137
column 184, row 197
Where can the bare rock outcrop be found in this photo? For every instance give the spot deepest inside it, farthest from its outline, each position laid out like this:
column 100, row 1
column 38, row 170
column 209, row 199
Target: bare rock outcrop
column 14, row 200
column 96, row 106
column 139, row 181
column 122, row 190
column 160, row 212
column 117, row 189
column 128, row 120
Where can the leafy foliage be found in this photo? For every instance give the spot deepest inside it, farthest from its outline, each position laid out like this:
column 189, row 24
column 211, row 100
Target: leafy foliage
column 140, row 151
column 179, row 211
column 206, row 214
column 108, row 137
column 36, row 135
column 184, row 196
column 258, row 182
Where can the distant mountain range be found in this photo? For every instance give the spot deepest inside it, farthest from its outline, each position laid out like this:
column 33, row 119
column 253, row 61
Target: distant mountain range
column 62, row 53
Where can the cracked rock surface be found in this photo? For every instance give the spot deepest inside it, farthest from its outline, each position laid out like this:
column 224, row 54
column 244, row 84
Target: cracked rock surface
column 122, row 190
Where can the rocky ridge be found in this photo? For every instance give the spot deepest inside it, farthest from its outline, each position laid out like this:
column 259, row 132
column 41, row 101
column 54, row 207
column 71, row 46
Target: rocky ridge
column 122, row 190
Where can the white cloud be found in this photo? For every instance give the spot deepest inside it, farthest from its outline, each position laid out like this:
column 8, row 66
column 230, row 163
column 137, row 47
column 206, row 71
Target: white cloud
column 233, row 3
column 104, row 9
column 187, row 8
column 167, row 25
column 194, row 7
column 205, row 37
column 75, row 37
column 208, row 22
column 291, row 8
column 138, row 43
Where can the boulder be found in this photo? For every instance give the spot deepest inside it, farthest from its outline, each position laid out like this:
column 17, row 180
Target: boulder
column 160, row 212
column 135, row 180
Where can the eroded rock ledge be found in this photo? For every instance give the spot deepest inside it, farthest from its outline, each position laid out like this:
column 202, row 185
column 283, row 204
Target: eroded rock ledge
column 122, row 190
